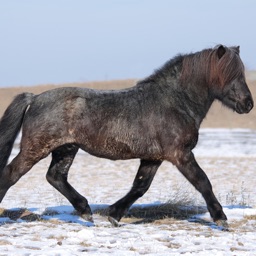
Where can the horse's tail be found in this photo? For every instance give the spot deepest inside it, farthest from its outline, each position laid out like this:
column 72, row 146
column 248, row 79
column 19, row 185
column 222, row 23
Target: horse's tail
column 10, row 125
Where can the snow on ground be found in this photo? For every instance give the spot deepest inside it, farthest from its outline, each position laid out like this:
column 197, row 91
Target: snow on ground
column 227, row 156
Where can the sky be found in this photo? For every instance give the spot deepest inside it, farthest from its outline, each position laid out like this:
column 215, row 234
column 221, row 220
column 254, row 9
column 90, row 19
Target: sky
column 62, row 41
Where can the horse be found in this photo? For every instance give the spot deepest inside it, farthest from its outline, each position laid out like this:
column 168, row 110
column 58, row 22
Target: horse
column 156, row 120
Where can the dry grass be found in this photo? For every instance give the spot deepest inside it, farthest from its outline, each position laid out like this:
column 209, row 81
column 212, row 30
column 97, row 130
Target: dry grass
column 163, row 211
column 250, row 217
column 180, row 207
column 22, row 214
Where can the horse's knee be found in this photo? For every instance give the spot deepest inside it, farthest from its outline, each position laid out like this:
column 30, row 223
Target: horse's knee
column 141, row 185
column 140, row 191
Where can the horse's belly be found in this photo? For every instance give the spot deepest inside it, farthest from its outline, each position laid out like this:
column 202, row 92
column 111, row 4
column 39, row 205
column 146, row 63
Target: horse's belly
column 121, row 150
column 109, row 150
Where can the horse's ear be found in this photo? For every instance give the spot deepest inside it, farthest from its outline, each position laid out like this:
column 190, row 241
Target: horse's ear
column 237, row 49
column 221, row 51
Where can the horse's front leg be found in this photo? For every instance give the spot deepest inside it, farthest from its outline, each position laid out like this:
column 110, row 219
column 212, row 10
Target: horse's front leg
column 188, row 166
column 141, row 184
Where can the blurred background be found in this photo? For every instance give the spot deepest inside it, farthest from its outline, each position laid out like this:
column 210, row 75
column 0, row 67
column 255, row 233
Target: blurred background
column 63, row 41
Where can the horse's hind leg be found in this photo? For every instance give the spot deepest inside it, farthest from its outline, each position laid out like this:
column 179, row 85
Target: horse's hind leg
column 141, row 184
column 57, row 176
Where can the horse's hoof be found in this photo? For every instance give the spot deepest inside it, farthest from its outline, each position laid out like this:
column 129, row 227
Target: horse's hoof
column 113, row 222
column 223, row 224
column 87, row 217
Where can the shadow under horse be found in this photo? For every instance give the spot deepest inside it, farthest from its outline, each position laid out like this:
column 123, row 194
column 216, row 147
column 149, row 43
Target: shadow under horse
column 158, row 119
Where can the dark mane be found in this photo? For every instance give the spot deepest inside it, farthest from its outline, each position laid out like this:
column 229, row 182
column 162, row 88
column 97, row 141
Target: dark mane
column 172, row 68
column 211, row 67
column 207, row 66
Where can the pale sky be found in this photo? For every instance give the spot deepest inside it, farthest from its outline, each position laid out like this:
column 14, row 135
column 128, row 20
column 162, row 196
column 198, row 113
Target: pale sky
column 61, row 41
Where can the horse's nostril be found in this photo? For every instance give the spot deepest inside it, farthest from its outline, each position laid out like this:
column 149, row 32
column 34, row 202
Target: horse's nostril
column 249, row 105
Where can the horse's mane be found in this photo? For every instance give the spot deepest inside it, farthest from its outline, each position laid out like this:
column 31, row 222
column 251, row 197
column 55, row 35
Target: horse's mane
column 218, row 66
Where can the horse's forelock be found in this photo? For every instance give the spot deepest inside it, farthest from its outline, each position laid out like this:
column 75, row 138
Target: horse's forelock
column 225, row 68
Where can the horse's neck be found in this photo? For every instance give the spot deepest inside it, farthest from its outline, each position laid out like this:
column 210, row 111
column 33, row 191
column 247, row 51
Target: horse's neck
column 192, row 98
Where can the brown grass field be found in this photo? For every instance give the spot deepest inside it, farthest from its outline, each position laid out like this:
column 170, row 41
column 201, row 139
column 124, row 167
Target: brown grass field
column 218, row 116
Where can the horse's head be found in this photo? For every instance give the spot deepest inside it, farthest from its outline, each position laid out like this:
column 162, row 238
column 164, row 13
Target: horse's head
column 232, row 88
column 236, row 95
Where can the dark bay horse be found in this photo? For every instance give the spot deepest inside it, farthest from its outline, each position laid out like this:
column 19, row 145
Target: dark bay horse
column 158, row 119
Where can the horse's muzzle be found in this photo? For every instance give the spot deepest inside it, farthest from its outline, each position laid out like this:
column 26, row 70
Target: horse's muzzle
column 245, row 106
